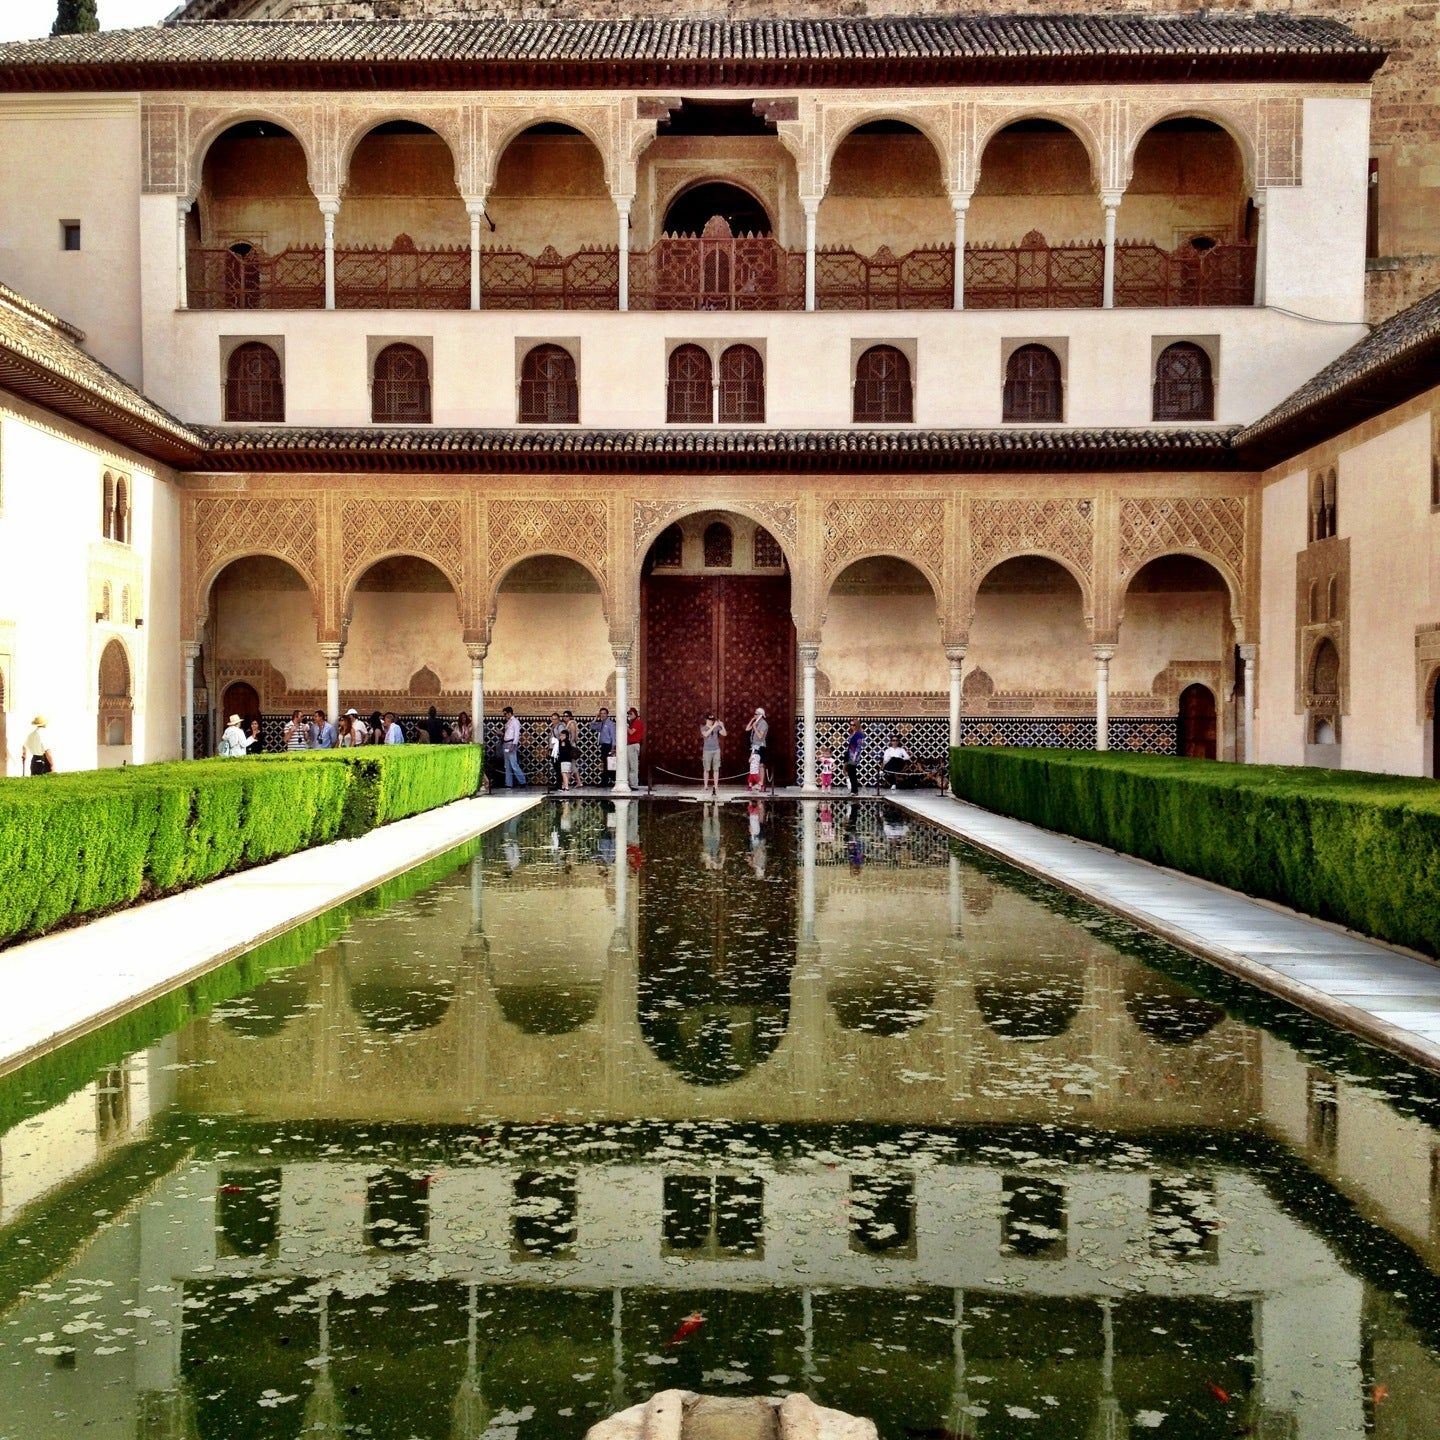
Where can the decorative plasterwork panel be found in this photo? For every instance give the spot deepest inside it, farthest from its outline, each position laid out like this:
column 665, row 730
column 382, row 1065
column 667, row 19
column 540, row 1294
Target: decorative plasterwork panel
column 1267, row 132
column 162, row 156
column 1003, row 529
column 228, row 528
column 1087, row 120
column 911, row 529
column 497, row 125
column 570, row 525
column 1211, row 526
column 377, row 526
column 353, row 121
column 777, row 516
column 936, row 121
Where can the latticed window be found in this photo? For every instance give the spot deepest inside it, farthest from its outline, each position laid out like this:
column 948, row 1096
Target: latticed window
column 1184, row 387
column 549, row 392
column 122, row 510
column 719, row 546
column 1032, row 385
column 254, row 386
column 742, row 386
column 883, row 392
column 400, row 394
column 687, row 387
column 670, row 548
column 115, row 697
column 767, row 552
column 107, row 508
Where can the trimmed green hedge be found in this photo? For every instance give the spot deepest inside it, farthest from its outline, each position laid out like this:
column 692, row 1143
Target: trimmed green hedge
column 77, row 844
column 1345, row 845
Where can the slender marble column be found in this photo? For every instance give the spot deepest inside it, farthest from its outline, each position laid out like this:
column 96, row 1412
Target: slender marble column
column 1111, row 201
column 1260, row 245
column 956, row 655
column 191, row 651
column 961, row 205
column 809, row 656
column 812, row 215
column 477, row 653
column 332, row 653
column 330, row 209
column 622, row 215
column 182, row 275
column 622, row 705
column 1104, row 654
column 475, row 208
column 1248, row 654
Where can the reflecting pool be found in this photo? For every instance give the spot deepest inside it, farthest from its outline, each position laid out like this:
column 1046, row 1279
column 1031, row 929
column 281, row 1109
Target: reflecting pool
column 903, row 1129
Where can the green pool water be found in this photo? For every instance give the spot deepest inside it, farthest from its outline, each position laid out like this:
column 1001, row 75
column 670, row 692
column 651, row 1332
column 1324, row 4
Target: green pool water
column 742, row 1099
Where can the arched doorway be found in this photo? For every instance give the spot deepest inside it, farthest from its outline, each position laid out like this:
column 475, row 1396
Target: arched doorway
column 240, row 699
column 693, row 209
column 718, row 636
column 1197, row 722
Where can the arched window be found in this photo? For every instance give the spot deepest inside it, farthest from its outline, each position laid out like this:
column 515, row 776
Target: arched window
column 1314, row 607
column 1332, row 599
column 1032, row 385
column 687, row 387
column 719, row 546
column 115, row 696
column 400, row 394
column 742, row 386
column 1184, row 387
column 107, row 508
column 254, row 386
column 669, row 549
column 883, row 392
column 1330, row 512
column 106, row 601
column 122, row 510
column 1323, row 699
column 549, row 392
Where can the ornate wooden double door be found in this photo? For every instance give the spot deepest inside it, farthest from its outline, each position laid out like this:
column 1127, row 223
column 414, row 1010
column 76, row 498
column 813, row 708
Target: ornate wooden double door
column 716, row 642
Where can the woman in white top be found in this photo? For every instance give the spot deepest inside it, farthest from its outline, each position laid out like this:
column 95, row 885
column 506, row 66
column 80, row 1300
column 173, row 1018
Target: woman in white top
column 234, row 742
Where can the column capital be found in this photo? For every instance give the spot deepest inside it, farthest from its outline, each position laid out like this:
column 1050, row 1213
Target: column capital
column 477, row 650
column 332, row 650
column 621, row 654
column 955, row 654
column 809, row 653
column 1249, row 652
column 1103, row 654
column 810, row 204
column 1259, row 196
column 475, row 206
column 623, row 201
column 960, row 200
column 1111, row 199
column 190, row 649
column 329, row 205
column 183, row 204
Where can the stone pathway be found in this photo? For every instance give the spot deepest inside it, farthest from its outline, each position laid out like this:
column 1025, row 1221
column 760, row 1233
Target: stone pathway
column 1384, row 994
column 59, row 986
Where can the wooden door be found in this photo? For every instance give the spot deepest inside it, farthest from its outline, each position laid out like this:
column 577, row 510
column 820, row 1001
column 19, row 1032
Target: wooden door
column 1197, row 723
column 716, row 642
column 241, row 700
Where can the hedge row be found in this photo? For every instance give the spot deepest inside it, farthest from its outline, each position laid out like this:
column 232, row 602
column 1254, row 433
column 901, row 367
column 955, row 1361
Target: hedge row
column 77, row 844
column 1345, row 845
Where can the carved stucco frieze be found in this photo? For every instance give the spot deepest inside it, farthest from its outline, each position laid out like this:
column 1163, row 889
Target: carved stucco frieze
column 1211, row 526
column 229, row 527
column 571, row 525
column 908, row 527
column 1001, row 529
column 376, row 526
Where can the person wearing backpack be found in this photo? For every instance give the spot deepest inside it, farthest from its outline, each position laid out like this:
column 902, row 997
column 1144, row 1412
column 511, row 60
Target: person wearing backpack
column 234, row 742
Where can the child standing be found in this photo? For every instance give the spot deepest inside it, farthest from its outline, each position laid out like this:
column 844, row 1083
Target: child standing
column 564, row 752
column 827, row 768
column 756, row 780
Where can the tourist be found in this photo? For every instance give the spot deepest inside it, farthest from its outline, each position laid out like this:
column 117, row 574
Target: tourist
column 758, row 729
column 345, row 733
column 447, row 734
column 375, row 727
column 827, row 767
column 634, row 739
column 572, row 728
column 604, row 728
column 757, row 838
column 257, row 745
column 711, row 733
column 552, row 748
column 755, row 780
column 37, row 747
column 359, row 730
column 894, row 760
column 510, row 748
column 712, row 851
column 854, row 748
column 324, row 732
column 394, row 735
column 234, row 742
column 297, row 733
column 565, row 754
column 432, row 726
column 464, row 731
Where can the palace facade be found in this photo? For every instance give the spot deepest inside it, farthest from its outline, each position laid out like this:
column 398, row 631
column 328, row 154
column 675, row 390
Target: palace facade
column 989, row 378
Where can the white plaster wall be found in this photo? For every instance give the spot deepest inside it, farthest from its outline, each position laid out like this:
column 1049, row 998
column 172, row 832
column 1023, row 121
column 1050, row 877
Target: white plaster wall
column 958, row 366
column 1384, row 507
column 883, row 642
column 1159, row 628
column 547, row 641
column 1032, row 642
column 76, row 158
column 392, row 635
column 1279, row 731
column 1315, row 244
column 50, row 527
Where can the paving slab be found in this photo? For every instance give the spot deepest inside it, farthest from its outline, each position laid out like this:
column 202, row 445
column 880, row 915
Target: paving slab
column 60, row 986
column 1386, row 994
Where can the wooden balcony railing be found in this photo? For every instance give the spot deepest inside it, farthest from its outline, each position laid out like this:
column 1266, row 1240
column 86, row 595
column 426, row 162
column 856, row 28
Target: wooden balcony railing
column 726, row 272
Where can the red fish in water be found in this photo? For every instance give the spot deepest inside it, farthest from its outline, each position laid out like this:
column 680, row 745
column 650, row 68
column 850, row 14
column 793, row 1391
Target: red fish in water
column 1223, row 1396
column 1380, row 1394
column 686, row 1328
column 232, row 1189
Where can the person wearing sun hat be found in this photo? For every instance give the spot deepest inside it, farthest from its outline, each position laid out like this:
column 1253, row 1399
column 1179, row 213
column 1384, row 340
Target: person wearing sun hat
column 37, row 747
column 235, row 742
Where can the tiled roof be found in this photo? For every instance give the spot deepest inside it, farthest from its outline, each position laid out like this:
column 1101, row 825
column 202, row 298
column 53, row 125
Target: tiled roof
column 457, row 451
column 1398, row 359
column 667, row 50
column 41, row 359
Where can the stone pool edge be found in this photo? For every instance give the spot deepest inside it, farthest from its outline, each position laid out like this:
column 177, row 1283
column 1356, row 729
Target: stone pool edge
column 1005, row 838
column 59, row 987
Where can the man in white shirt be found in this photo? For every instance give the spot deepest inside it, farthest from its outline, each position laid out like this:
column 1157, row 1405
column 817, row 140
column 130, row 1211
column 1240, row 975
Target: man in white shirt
column 394, row 735
column 37, row 747
column 358, row 728
column 510, row 746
